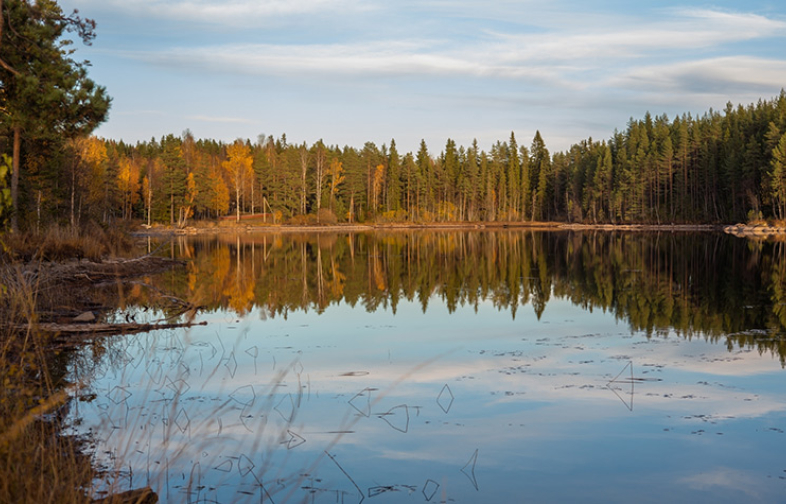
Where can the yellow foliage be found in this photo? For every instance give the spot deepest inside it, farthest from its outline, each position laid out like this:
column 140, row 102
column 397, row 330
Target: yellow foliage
column 241, row 294
column 93, row 155
column 338, row 279
column 379, row 177
column 128, row 183
column 447, row 211
column 219, row 199
column 92, row 151
column 239, row 164
column 379, row 274
column 336, row 178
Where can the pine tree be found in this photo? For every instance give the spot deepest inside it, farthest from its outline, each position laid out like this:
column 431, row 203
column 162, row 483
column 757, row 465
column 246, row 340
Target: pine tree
column 45, row 93
column 778, row 177
column 393, row 183
column 514, row 179
column 540, row 164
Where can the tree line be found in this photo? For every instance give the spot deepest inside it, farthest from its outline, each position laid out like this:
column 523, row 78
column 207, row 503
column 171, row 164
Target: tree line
column 720, row 167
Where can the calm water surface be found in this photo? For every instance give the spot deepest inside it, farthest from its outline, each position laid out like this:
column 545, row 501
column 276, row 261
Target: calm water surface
column 451, row 367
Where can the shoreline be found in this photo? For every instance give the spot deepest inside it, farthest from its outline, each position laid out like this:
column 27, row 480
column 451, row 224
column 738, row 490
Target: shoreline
column 440, row 226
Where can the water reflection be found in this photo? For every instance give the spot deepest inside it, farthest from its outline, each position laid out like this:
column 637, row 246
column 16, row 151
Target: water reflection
column 703, row 284
column 402, row 367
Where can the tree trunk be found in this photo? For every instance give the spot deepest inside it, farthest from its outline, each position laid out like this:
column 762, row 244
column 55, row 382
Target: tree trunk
column 73, row 191
column 15, row 178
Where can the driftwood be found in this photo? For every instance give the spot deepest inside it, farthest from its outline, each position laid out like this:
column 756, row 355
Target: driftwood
column 139, row 496
column 102, row 328
column 74, row 333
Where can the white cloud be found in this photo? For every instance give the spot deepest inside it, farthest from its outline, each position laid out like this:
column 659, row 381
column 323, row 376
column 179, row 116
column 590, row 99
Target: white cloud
column 566, row 60
column 724, row 477
column 688, row 30
column 232, row 12
column 715, row 75
column 385, row 58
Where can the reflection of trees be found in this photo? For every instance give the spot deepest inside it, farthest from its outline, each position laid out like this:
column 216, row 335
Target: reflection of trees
column 695, row 284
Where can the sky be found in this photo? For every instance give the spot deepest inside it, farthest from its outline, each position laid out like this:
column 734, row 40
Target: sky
column 355, row 71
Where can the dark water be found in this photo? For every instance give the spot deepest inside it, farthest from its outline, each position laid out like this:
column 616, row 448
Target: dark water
column 452, row 367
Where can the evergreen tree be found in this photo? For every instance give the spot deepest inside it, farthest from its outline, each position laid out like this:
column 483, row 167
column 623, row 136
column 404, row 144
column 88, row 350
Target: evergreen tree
column 540, row 165
column 393, row 184
column 43, row 91
column 514, row 179
column 778, row 178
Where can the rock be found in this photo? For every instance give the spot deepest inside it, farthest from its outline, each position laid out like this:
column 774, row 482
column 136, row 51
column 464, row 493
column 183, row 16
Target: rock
column 87, row 316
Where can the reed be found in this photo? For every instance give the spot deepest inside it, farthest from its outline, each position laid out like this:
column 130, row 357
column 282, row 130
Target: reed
column 39, row 463
column 61, row 243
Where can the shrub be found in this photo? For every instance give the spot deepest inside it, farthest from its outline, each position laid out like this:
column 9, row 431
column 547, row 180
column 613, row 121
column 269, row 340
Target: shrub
column 326, row 216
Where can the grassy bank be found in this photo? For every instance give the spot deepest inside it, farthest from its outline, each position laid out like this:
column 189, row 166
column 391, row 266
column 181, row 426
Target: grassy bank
column 38, row 462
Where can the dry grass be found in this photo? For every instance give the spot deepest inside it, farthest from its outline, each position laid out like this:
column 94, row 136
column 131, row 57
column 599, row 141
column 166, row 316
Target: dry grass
column 38, row 462
column 57, row 243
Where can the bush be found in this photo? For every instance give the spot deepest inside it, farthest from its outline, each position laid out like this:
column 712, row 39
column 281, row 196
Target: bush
column 298, row 220
column 326, row 216
column 392, row 216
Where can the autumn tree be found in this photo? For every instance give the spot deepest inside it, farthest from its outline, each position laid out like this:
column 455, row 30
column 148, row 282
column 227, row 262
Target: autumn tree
column 89, row 175
column 336, row 178
column 128, row 184
column 238, row 167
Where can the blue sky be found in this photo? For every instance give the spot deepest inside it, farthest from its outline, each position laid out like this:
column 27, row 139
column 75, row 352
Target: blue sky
column 352, row 71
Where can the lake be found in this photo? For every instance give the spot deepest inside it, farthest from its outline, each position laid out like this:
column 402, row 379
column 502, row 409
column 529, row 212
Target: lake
column 461, row 366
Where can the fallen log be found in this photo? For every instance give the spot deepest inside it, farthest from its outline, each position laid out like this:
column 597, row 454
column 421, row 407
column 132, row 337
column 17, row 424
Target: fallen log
column 54, row 327
column 72, row 331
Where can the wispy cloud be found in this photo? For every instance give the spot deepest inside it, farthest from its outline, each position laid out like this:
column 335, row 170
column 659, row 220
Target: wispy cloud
column 384, row 58
column 506, row 62
column 242, row 12
column 685, row 31
column 618, row 54
column 734, row 73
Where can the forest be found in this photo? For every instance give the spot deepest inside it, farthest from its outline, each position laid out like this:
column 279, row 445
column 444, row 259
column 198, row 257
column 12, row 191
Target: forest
column 721, row 167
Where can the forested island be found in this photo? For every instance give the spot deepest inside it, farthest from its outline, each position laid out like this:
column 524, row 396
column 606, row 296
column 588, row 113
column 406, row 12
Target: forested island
column 721, row 167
